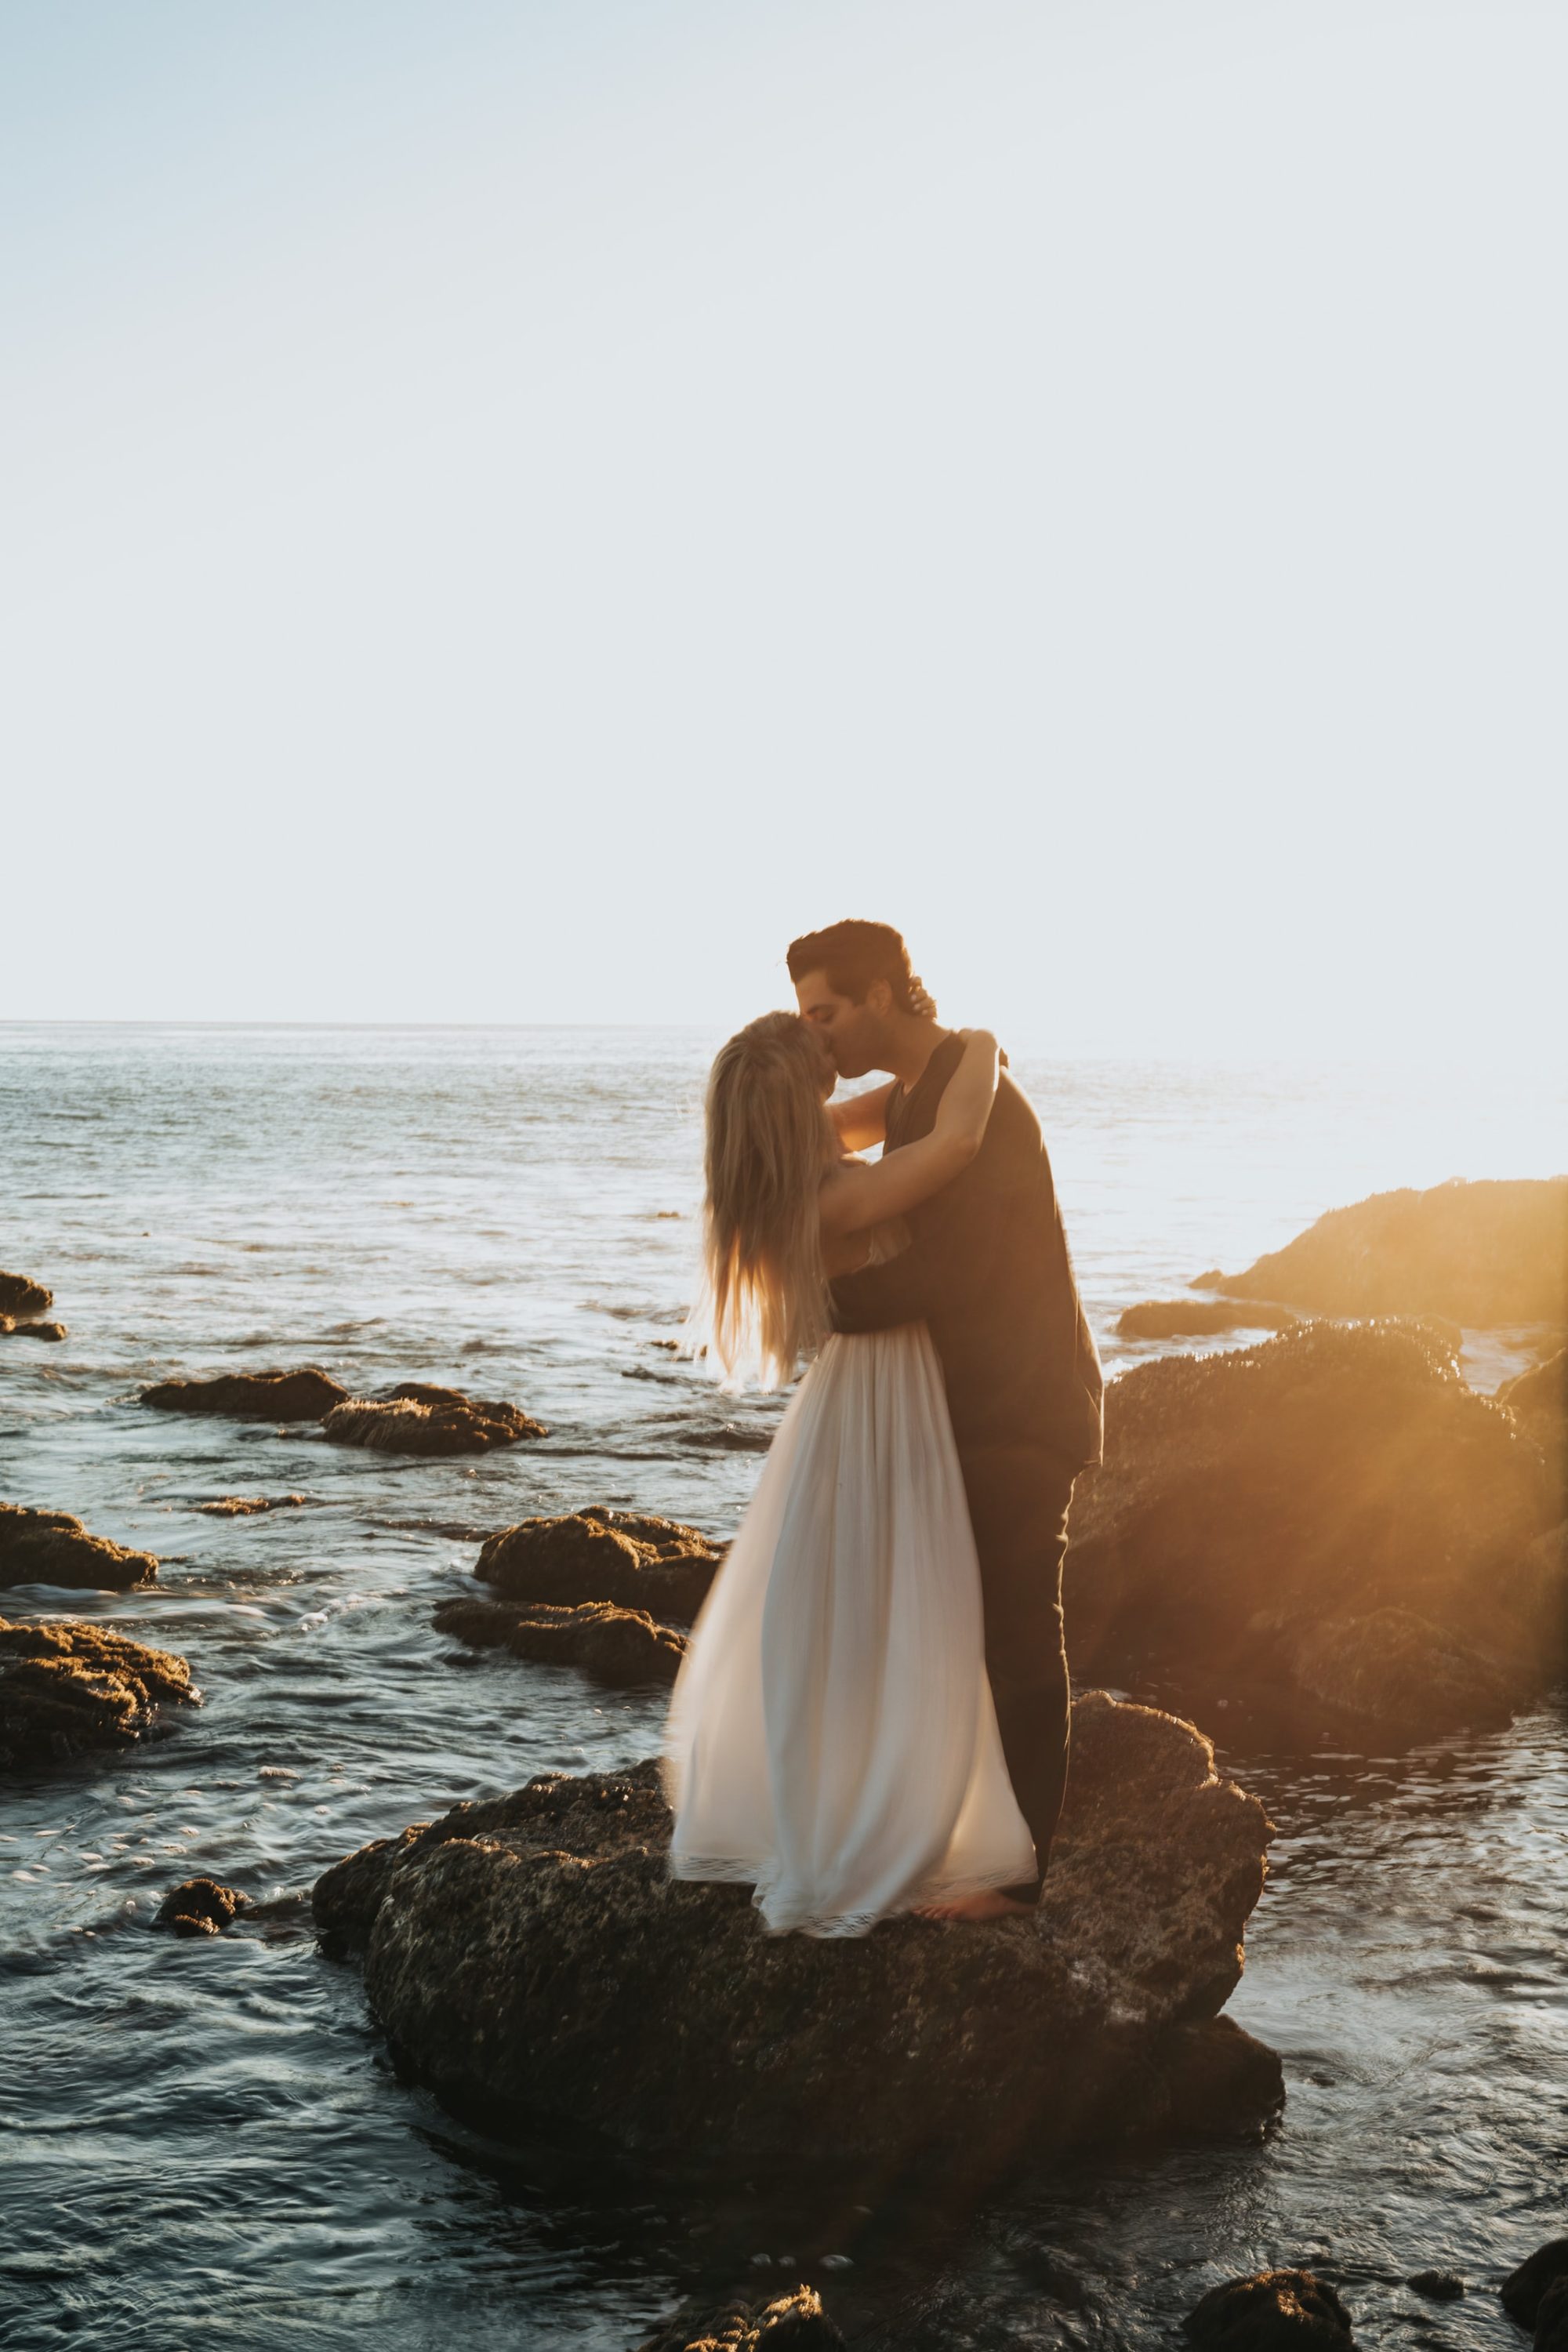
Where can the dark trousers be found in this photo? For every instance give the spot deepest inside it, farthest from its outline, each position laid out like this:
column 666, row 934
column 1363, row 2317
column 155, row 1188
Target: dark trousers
column 1018, row 1498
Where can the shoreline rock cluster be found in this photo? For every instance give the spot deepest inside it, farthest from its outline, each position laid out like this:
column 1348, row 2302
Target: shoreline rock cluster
column 1282, row 2310
column 605, row 1590
column 415, row 1417
column 533, row 1960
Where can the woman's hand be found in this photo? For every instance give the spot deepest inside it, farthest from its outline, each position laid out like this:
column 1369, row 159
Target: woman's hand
column 921, row 1001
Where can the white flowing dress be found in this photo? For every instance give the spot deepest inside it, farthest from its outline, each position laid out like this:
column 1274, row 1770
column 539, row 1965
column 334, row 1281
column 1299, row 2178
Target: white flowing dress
column 831, row 1739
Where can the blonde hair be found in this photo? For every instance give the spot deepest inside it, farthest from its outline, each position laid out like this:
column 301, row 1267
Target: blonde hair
column 769, row 1140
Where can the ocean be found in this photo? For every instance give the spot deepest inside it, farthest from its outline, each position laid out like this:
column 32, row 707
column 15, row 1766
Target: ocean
column 212, row 2135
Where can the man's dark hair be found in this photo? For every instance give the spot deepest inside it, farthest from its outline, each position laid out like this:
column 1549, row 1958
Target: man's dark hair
column 853, row 955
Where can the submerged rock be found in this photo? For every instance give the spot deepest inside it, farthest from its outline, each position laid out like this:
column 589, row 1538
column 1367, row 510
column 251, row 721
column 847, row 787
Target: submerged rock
column 629, row 1558
column 1331, row 1512
column 534, row 1960
column 790, row 2322
column 21, row 1296
column 615, row 1646
column 247, row 1507
column 1480, row 1253
column 1438, row 2286
column 1192, row 1318
column 66, row 1687
column 303, row 1395
column 417, row 1418
column 11, row 1330
column 51, row 1548
column 200, row 1907
column 1276, row 2311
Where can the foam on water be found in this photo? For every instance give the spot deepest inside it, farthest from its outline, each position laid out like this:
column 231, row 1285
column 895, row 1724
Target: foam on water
column 202, row 2133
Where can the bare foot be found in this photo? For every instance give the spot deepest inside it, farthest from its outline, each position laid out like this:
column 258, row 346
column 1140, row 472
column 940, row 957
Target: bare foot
column 988, row 1904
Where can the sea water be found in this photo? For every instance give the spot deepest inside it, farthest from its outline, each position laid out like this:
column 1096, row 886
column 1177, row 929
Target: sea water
column 201, row 2136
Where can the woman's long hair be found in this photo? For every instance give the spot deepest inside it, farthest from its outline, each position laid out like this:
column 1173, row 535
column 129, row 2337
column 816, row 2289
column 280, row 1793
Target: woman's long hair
column 769, row 1141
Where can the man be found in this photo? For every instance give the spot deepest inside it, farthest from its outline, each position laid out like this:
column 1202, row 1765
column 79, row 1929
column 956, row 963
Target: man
column 988, row 1272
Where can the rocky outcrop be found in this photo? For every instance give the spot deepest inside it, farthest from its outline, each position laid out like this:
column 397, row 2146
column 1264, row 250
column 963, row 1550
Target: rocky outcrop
column 200, row 1907
column 1525, row 2289
column 657, row 1566
column 51, row 1548
column 1538, row 1398
column 1195, row 1318
column 1333, row 1514
column 620, row 1646
column 419, row 1418
column 533, row 1959
column 303, row 1395
column 11, row 1330
column 67, row 1687
column 1274, row 2311
column 1482, row 1255
column 20, row 1295
column 790, row 2322
column 247, row 1507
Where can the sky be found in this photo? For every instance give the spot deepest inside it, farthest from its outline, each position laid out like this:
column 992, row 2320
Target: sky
column 515, row 510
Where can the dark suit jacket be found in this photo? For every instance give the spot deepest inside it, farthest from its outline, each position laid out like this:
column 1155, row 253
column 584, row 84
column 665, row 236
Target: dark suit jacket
column 988, row 1270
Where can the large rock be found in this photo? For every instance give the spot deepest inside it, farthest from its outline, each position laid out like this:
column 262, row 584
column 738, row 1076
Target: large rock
column 21, row 1296
column 628, row 1558
column 1538, row 1398
column 11, row 1330
column 621, row 1646
column 303, row 1395
column 1332, row 1513
column 66, row 1687
column 534, row 1962
column 417, row 1417
column 51, row 1548
column 1196, row 1318
column 1525, row 2289
column 1480, row 1253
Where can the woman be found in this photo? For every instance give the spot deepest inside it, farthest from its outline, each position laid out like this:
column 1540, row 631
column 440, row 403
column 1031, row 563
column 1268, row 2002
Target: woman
column 832, row 1739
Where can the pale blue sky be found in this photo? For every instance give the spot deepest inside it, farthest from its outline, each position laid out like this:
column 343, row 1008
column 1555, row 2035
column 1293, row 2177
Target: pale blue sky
column 514, row 511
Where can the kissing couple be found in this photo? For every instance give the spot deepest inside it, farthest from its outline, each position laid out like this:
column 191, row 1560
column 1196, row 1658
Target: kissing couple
column 873, row 1714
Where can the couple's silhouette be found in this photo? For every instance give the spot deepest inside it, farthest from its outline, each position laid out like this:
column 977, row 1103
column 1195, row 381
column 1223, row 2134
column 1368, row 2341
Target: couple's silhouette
column 873, row 1714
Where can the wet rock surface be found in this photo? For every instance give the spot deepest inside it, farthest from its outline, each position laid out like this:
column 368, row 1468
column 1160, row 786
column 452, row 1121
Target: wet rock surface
column 304, row 1395
column 1332, row 1516
column 1524, row 2289
column 11, row 1330
column 20, row 1295
column 1272, row 2312
column 789, row 2323
column 200, row 1907
column 67, row 1687
column 531, row 1960
column 1437, row 2286
column 1183, row 1318
column 52, row 1547
column 1486, row 1254
column 417, row 1417
column 620, row 1646
column 637, row 1561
